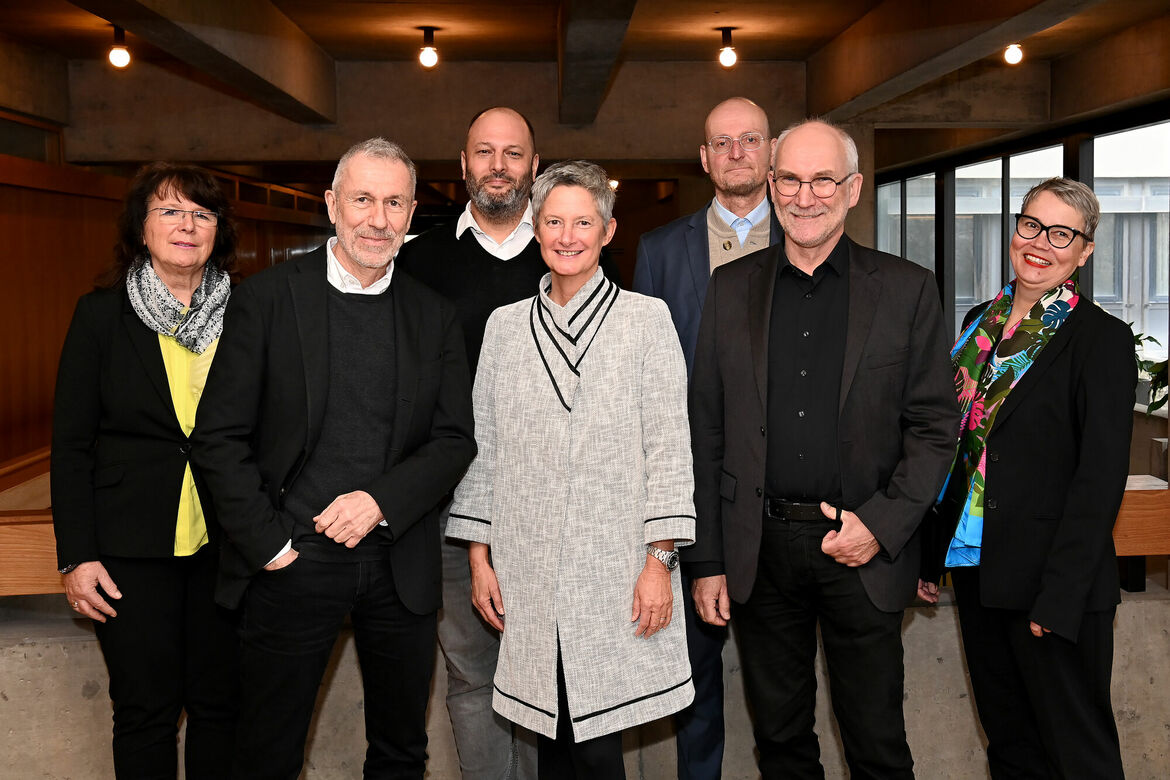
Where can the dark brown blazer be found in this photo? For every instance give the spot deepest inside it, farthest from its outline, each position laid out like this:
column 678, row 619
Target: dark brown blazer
column 896, row 426
column 262, row 411
column 119, row 453
column 1057, row 461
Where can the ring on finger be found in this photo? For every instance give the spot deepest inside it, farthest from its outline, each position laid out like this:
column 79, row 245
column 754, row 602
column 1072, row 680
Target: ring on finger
column 75, row 604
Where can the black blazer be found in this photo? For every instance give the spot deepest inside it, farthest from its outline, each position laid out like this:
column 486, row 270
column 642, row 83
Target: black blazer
column 896, row 424
column 118, row 452
column 262, row 410
column 674, row 264
column 1057, row 461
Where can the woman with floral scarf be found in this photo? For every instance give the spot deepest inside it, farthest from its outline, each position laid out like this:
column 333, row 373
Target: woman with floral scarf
column 1045, row 380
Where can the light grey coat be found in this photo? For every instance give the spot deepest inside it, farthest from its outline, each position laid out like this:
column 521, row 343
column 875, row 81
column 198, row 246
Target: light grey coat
column 584, row 458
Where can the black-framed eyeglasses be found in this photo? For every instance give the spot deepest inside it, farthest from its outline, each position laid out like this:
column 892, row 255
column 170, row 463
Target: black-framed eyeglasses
column 749, row 142
column 1059, row 236
column 169, row 216
column 822, row 186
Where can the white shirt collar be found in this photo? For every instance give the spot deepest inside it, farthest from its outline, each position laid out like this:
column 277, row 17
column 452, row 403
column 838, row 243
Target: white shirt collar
column 346, row 282
column 508, row 248
column 754, row 216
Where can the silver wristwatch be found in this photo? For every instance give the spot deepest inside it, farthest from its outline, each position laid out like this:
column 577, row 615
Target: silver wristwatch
column 669, row 558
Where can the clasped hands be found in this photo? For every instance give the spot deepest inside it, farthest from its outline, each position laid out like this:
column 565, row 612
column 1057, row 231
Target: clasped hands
column 653, row 598
column 346, row 520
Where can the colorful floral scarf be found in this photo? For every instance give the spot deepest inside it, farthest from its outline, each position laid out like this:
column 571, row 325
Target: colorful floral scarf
column 989, row 359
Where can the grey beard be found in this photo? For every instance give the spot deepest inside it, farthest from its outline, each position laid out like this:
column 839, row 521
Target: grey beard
column 502, row 207
column 743, row 189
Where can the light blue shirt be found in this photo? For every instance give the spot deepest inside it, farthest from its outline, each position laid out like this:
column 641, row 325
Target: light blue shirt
column 742, row 225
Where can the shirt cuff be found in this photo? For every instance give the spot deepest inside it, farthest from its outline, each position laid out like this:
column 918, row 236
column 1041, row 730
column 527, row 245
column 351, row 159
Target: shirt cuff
column 283, row 550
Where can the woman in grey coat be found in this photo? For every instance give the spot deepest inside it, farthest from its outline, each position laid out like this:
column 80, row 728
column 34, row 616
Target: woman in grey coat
column 581, row 490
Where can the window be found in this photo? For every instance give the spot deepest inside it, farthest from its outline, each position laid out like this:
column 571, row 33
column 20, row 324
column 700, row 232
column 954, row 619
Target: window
column 978, row 235
column 1131, row 260
column 889, row 218
column 920, row 220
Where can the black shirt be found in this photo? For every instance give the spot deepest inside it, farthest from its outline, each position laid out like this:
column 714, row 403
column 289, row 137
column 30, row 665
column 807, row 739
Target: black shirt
column 806, row 349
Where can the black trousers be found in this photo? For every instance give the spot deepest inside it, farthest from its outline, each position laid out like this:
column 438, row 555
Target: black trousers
column 699, row 739
column 599, row 758
column 170, row 649
column 291, row 621
column 797, row 587
column 1043, row 702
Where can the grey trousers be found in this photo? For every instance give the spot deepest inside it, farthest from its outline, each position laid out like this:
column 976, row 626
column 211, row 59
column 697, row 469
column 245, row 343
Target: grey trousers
column 490, row 747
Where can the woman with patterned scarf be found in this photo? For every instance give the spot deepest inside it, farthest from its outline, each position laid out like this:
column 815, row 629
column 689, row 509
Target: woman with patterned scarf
column 135, row 537
column 1045, row 379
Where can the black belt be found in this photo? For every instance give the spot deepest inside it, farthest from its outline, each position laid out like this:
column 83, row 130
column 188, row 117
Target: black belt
column 796, row 511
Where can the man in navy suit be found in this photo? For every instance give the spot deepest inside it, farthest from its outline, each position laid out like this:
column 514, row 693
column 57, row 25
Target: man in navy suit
column 674, row 263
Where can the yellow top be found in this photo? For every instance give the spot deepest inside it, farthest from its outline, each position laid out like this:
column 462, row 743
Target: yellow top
column 186, row 375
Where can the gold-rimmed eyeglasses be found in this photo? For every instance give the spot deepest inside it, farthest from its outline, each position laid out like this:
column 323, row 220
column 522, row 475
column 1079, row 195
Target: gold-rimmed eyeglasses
column 169, row 216
column 749, row 142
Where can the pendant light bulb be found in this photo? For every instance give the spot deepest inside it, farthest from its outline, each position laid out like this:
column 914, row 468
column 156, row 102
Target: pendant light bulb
column 119, row 55
column 1013, row 54
column 429, row 56
column 727, row 55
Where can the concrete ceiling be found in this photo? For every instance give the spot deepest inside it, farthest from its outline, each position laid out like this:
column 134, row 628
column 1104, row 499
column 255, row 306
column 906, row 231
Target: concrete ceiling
column 281, row 54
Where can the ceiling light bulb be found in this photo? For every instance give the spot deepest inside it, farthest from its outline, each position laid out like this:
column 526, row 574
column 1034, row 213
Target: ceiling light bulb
column 727, row 56
column 614, row 184
column 1013, row 54
column 428, row 57
column 119, row 56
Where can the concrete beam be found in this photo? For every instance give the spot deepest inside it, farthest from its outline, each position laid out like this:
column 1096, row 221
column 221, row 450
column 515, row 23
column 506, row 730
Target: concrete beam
column 34, row 82
column 251, row 47
column 1128, row 67
column 903, row 44
column 589, row 42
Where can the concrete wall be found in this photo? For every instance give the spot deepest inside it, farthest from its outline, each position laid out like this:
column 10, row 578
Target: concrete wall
column 654, row 111
column 55, row 708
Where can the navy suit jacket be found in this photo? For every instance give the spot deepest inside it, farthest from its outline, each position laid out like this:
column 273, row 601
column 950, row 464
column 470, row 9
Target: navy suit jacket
column 674, row 264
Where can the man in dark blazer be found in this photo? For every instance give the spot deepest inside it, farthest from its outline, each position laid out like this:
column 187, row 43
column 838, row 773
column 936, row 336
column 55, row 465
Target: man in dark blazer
column 336, row 418
column 823, row 422
column 674, row 263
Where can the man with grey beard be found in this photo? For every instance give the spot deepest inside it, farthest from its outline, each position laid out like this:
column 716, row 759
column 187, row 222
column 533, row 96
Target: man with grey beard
column 488, row 260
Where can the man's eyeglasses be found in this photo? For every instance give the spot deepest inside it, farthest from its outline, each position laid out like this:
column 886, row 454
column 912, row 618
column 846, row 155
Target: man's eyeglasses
column 822, row 186
column 1059, row 236
column 168, row 216
column 749, row 142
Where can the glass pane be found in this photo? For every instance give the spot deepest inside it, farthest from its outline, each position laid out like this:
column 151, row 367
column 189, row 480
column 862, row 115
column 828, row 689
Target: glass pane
column 889, row 218
column 1131, row 260
column 978, row 235
column 920, row 220
column 1029, row 169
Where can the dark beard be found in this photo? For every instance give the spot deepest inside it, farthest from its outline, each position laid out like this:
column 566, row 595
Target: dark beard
column 502, row 207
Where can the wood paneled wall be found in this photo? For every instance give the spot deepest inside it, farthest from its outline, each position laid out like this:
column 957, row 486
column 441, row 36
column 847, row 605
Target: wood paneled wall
column 57, row 227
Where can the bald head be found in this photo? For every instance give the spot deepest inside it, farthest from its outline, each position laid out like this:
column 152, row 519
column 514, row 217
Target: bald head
column 499, row 163
column 740, row 175
column 736, row 110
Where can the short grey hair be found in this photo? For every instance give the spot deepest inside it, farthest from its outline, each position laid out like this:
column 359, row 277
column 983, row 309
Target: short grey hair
column 851, row 158
column 575, row 173
column 381, row 149
column 1071, row 193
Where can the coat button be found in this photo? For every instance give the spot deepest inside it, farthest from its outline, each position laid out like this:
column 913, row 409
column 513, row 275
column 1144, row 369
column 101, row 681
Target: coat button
column 994, row 457
column 763, row 431
column 992, row 503
column 185, row 449
column 759, row 492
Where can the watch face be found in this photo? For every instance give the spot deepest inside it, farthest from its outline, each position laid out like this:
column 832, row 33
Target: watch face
column 671, row 560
